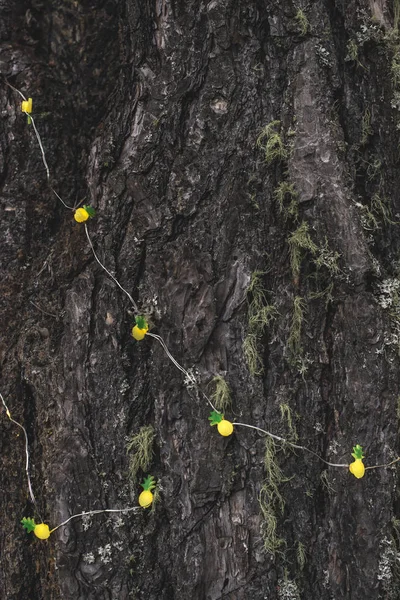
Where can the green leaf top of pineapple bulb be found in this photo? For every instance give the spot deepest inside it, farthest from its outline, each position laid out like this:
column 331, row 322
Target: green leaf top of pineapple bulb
column 357, row 452
column 141, row 322
column 215, row 418
column 148, row 483
column 28, row 524
column 90, row 211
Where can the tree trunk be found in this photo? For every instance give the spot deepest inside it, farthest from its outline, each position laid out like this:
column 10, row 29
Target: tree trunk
column 274, row 265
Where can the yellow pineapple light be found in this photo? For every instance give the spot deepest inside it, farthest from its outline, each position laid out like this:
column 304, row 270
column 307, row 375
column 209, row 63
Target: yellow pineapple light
column 41, row 530
column 140, row 329
column 84, row 213
column 146, row 497
column 224, row 427
column 357, row 467
column 26, row 107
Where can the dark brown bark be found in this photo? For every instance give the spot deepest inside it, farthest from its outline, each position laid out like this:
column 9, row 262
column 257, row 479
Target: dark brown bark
column 152, row 111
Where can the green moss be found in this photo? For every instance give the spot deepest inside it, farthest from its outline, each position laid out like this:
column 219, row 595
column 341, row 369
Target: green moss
column 378, row 212
column 259, row 315
column 287, row 416
column 381, row 208
column 302, row 21
column 140, row 450
column 396, row 15
column 294, row 347
column 373, row 169
column 221, row 396
column 272, row 542
column 393, row 46
column 271, row 143
column 326, row 293
column 325, row 257
column 366, row 129
column 286, row 197
column 352, row 51
column 252, row 355
column 271, row 499
column 274, row 476
column 299, row 241
column 368, row 219
column 301, row 555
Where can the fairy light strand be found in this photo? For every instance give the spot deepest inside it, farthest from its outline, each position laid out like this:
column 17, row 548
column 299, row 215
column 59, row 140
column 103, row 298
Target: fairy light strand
column 39, row 140
column 46, row 166
column 189, row 378
column 32, row 496
column 97, row 512
column 281, row 439
column 384, row 466
column 27, row 456
column 108, row 272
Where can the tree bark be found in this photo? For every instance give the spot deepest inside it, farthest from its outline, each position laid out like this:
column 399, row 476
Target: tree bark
column 151, row 112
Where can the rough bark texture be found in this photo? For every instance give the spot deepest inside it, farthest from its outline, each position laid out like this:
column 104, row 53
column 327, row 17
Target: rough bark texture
column 152, row 111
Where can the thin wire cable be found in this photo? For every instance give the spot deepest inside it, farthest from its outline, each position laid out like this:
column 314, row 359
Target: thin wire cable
column 46, row 166
column 60, row 199
column 108, row 272
column 39, row 140
column 96, row 512
column 384, row 466
column 26, row 453
column 172, row 359
column 281, row 439
column 189, row 376
column 15, row 89
column 43, row 311
column 208, row 400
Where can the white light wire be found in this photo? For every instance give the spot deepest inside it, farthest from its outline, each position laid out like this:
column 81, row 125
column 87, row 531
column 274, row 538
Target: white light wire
column 108, row 272
column 281, row 439
column 26, row 452
column 189, row 377
column 39, row 140
column 96, row 512
column 46, row 166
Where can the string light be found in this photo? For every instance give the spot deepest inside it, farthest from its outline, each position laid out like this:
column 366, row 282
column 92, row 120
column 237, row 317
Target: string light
column 96, row 512
column 108, row 272
column 32, row 496
column 39, row 140
column 297, row 446
column 225, row 427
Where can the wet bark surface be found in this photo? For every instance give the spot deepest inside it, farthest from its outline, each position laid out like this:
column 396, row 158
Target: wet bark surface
column 151, row 111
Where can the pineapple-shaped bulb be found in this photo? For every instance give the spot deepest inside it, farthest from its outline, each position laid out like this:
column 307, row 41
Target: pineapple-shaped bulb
column 357, row 467
column 224, row 427
column 84, row 213
column 26, row 107
column 41, row 530
column 146, row 497
column 140, row 329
